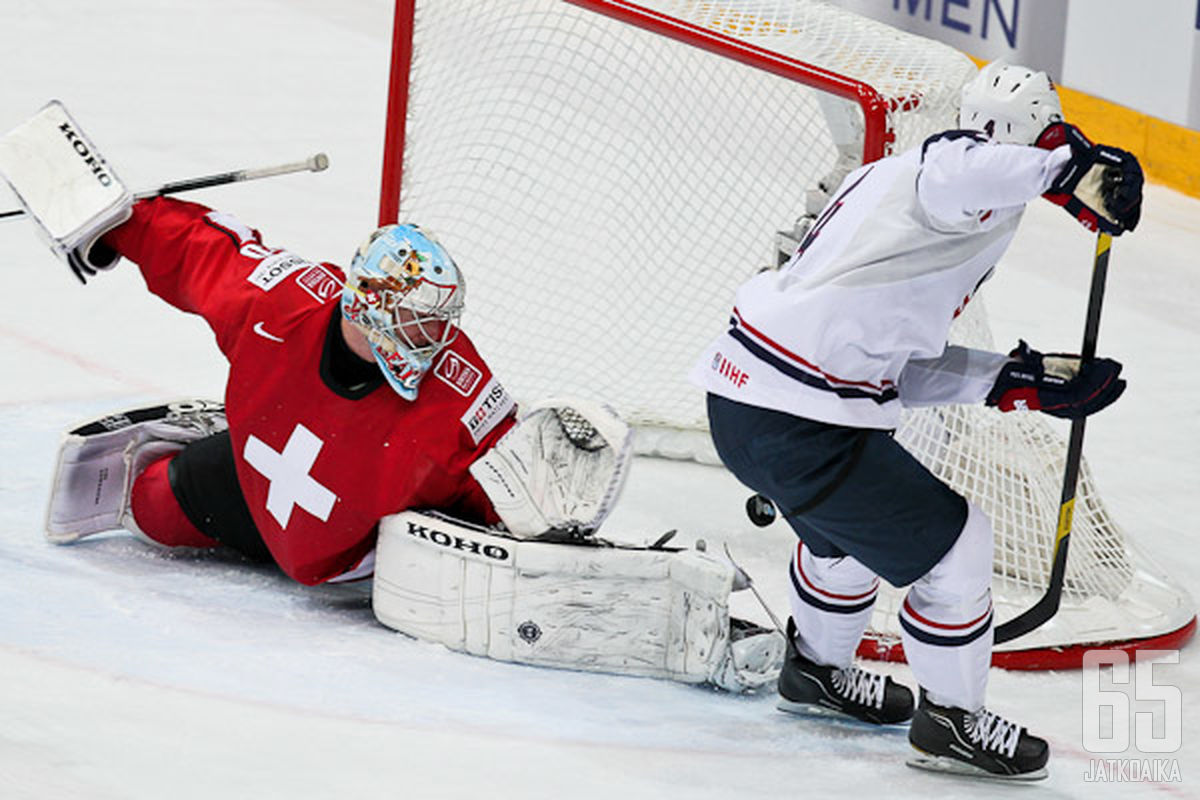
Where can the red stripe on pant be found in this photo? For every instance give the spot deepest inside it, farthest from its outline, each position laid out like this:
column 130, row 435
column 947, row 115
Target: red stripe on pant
column 157, row 512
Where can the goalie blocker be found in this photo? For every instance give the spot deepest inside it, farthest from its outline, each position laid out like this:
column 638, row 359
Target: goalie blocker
column 651, row 612
column 66, row 186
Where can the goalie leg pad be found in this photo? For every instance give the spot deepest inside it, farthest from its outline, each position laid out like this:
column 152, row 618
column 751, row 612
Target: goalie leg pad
column 643, row 612
column 99, row 460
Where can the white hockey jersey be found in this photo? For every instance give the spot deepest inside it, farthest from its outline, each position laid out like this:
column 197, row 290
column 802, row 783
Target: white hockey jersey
column 855, row 325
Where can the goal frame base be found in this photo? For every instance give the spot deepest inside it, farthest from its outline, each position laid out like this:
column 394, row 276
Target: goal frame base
column 886, row 647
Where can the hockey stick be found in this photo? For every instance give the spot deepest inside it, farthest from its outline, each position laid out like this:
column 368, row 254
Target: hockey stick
column 312, row 164
column 1047, row 606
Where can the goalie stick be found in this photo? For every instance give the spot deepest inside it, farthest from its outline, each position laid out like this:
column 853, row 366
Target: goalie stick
column 315, row 163
column 1047, row 606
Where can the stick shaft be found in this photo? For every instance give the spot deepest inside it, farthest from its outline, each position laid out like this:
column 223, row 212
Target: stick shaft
column 314, row 163
column 1047, row 606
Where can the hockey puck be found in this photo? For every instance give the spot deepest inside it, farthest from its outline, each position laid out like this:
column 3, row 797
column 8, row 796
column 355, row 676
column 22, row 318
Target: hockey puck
column 760, row 510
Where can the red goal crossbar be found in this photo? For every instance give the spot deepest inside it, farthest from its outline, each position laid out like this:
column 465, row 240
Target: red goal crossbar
column 877, row 138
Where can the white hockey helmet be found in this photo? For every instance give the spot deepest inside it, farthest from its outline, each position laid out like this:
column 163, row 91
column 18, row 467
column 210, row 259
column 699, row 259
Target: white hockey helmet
column 405, row 293
column 1011, row 104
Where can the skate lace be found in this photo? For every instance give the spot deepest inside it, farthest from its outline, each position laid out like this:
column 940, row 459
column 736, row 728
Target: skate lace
column 992, row 732
column 859, row 687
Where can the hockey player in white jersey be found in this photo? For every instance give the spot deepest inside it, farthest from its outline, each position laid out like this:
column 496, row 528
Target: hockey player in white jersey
column 806, row 386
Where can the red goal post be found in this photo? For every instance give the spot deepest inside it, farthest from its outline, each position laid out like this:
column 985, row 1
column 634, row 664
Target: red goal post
column 608, row 172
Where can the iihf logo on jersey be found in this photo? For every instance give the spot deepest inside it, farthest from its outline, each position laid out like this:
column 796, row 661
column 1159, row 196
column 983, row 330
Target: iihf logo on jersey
column 723, row 366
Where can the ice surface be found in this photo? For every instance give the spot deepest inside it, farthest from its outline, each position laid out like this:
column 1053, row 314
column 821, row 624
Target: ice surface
column 126, row 673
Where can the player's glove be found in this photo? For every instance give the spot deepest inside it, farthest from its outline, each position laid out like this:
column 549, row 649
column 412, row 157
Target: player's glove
column 1056, row 383
column 1100, row 186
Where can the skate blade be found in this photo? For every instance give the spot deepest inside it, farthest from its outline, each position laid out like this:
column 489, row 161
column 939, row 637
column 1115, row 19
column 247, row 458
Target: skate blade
column 952, row 766
column 824, row 712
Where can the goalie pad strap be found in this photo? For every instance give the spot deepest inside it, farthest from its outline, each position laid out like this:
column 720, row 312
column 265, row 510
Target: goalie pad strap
column 651, row 613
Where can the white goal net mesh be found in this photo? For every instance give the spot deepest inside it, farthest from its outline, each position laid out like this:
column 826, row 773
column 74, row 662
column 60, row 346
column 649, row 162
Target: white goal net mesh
column 607, row 188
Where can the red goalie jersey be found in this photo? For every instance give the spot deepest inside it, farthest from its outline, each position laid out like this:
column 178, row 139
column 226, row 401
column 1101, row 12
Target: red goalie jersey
column 319, row 464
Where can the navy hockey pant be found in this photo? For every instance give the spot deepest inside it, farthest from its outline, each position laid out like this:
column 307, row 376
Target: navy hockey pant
column 845, row 491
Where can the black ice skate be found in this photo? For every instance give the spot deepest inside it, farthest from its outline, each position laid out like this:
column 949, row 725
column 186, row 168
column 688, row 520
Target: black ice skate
column 809, row 688
column 980, row 744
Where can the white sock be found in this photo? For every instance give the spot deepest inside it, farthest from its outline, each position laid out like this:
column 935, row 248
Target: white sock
column 831, row 602
column 946, row 620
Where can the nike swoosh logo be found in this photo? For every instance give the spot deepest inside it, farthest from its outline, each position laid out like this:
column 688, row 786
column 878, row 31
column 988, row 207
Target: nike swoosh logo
column 258, row 328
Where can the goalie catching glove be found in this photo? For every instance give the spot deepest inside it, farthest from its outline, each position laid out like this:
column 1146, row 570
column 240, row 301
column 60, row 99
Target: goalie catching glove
column 1056, row 383
column 557, row 471
column 1101, row 186
column 68, row 188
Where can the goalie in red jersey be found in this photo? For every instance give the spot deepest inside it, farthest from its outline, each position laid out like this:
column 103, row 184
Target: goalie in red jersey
column 327, row 373
column 350, row 397
column 356, row 408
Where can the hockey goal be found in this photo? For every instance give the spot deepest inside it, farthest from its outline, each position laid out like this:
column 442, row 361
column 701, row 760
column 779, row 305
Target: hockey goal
column 622, row 167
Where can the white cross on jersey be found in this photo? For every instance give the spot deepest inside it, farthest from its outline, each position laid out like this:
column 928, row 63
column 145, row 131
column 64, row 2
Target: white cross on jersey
column 287, row 472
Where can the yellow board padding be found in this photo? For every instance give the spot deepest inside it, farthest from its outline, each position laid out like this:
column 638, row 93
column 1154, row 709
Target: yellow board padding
column 1169, row 153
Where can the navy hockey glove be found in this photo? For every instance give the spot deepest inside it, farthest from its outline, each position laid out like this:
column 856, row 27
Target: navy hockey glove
column 1101, row 186
column 1055, row 384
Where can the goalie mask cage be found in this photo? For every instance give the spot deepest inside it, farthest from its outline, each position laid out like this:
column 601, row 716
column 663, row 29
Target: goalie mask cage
column 609, row 172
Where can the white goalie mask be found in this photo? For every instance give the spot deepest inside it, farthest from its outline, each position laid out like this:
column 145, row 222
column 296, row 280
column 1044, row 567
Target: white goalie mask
column 1011, row 104
column 405, row 293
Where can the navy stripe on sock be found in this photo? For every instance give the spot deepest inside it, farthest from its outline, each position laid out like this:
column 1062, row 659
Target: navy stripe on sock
column 818, row 603
column 945, row 641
